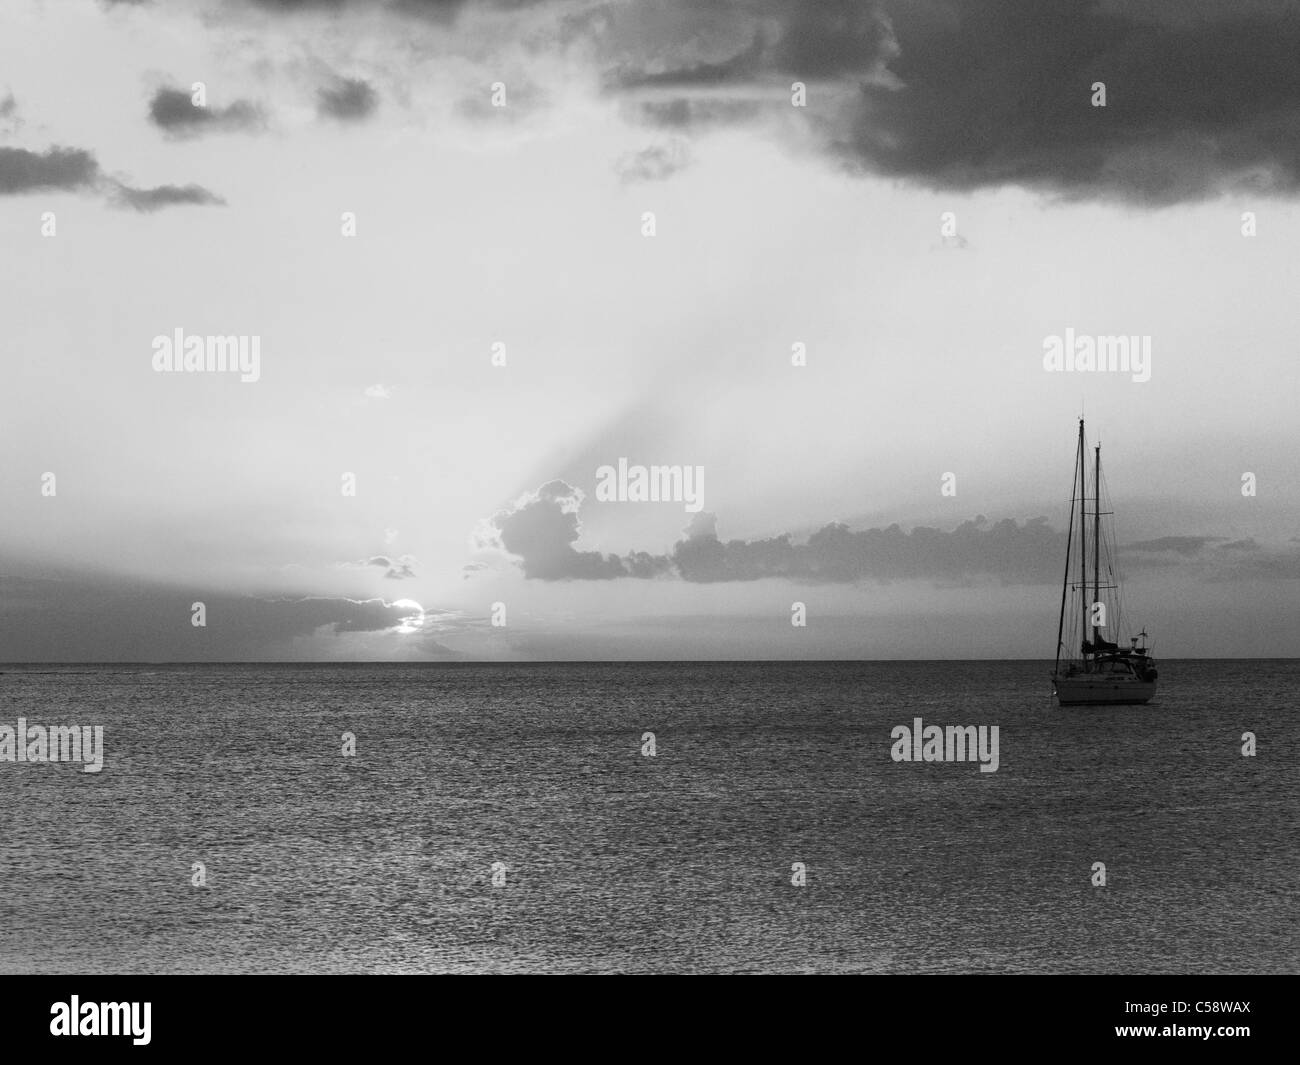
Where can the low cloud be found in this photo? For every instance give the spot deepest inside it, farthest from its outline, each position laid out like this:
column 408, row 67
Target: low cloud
column 655, row 163
column 125, row 620
column 9, row 120
column 395, row 569
column 542, row 527
column 1179, row 545
column 347, row 100
column 155, row 199
column 684, row 114
column 76, row 170
column 1013, row 553
column 69, row 169
column 302, row 616
column 174, row 112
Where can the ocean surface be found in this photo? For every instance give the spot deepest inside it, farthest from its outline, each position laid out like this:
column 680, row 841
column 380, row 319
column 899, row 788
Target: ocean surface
column 619, row 862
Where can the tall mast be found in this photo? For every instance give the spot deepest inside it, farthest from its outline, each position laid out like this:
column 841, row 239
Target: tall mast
column 1065, row 579
column 1083, row 541
column 1096, row 538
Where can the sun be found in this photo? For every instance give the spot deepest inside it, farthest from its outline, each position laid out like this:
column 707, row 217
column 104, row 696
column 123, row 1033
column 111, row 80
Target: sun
column 412, row 622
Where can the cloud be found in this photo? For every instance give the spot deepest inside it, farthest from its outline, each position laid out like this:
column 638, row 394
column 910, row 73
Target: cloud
column 1230, row 560
column 173, row 111
column 542, row 527
column 76, row 170
column 348, row 100
column 1028, row 553
column 1181, row 545
column 523, row 100
column 1263, row 565
column 684, row 114
column 961, row 95
column 401, row 569
column 295, row 6
column 1000, row 94
column 993, row 93
column 734, row 44
column 55, row 168
column 693, row 66
column 397, row 569
column 744, row 65
column 367, row 615
column 127, row 620
column 435, row 10
column 165, row 196
column 379, row 391
column 312, row 614
column 655, row 163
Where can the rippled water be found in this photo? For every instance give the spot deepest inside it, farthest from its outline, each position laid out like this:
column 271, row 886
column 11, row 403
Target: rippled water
column 620, row 862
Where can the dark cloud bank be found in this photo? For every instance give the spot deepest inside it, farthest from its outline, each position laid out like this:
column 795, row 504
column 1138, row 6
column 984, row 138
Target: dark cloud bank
column 954, row 94
column 543, row 527
column 988, row 93
column 108, row 619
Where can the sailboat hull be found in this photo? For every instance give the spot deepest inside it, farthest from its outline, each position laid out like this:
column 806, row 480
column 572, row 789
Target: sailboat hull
column 1083, row 689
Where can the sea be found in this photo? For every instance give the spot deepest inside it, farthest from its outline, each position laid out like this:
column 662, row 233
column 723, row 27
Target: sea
column 724, row 817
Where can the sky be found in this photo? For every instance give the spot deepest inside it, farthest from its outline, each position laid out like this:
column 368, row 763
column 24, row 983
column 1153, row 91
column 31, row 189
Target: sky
column 435, row 219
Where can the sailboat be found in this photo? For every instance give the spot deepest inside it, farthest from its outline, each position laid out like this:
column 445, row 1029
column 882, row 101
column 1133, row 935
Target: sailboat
column 1090, row 668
